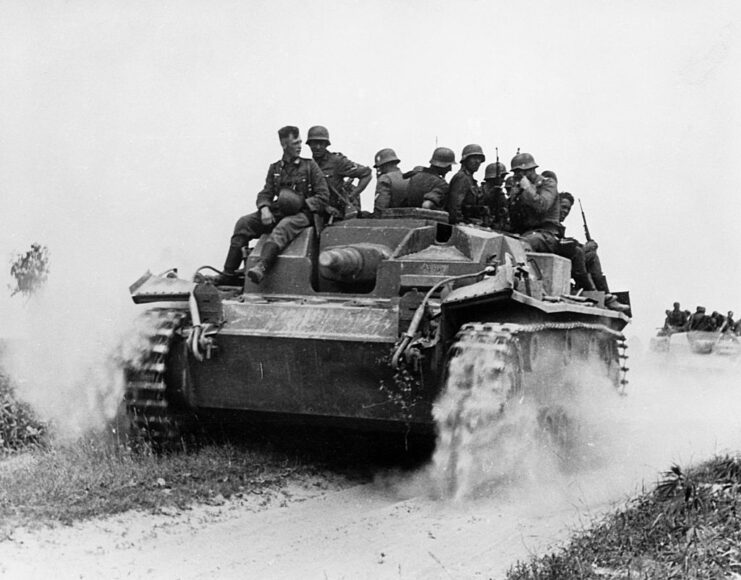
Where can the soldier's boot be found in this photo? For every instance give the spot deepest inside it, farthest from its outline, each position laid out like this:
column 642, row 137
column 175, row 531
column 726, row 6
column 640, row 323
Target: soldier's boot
column 229, row 276
column 600, row 282
column 583, row 282
column 613, row 303
column 266, row 260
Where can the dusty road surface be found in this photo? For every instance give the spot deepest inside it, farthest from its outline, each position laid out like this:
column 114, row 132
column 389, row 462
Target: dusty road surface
column 367, row 531
column 395, row 526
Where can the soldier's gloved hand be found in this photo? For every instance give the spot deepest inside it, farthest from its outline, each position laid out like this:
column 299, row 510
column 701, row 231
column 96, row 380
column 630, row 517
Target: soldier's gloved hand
column 525, row 185
column 428, row 205
column 266, row 216
column 591, row 246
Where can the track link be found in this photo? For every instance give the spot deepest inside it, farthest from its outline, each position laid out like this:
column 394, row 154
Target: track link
column 148, row 405
column 485, row 380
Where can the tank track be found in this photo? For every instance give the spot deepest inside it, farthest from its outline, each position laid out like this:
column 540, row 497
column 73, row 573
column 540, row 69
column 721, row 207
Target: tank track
column 149, row 407
column 484, row 376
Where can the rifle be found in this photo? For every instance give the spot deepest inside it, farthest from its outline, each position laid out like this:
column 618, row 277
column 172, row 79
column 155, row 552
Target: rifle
column 584, row 219
column 497, row 165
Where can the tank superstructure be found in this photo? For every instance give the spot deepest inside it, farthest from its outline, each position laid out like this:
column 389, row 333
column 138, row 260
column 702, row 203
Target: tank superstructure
column 357, row 326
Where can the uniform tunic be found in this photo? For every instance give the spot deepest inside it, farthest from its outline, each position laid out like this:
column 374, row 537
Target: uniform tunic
column 391, row 190
column 426, row 185
column 336, row 167
column 534, row 213
column 301, row 175
column 465, row 199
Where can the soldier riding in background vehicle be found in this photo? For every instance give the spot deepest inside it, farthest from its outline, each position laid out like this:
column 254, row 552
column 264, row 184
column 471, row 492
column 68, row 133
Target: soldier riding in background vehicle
column 336, row 168
column 676, row 321
column 295, row 195
column 495, row 197
column 391, row 185
column 700, row 321
column 465, row 198
column 428, row 188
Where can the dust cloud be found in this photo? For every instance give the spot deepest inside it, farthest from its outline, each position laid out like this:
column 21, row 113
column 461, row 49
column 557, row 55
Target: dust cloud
column 618, row 445
column 66, row 356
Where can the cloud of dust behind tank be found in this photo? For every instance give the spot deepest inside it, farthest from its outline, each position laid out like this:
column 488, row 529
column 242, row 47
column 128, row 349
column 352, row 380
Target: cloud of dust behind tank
column 618, row 443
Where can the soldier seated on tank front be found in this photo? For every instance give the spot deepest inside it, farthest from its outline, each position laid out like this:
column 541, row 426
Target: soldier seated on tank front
column 295, row 195
column 700, row 321
column 391, row 185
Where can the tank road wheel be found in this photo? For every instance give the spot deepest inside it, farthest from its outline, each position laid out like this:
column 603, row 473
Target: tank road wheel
column 157, row 412
column 483, row 374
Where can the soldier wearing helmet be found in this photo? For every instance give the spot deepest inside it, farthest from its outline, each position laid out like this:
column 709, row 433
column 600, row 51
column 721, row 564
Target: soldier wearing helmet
column 465, row 198
column 391, row 185
column 344, row 198
column 533, row 205
column 428, row 188
column 294, row 195
column 495, row 197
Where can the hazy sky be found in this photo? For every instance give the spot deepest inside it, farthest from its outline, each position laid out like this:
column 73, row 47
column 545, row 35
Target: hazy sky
column 134, row 134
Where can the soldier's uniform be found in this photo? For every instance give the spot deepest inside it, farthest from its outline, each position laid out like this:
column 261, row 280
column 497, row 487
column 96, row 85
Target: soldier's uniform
column 302, row 176
column 465, row 198
column 534, row 213
column 391, row 190
column 495, row 199
column 336, row 168
column 426, row 185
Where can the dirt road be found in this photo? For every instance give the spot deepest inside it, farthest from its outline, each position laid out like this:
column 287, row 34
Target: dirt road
column 395, row 527
column 368, row 531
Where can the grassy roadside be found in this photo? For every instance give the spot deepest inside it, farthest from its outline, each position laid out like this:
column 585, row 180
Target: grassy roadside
column 689, row 526
column 92, row 478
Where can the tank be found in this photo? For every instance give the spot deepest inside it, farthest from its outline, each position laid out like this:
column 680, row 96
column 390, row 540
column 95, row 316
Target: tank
column 387, row 324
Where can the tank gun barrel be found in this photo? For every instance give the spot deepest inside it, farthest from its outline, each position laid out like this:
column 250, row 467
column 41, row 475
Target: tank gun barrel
column 353, row 263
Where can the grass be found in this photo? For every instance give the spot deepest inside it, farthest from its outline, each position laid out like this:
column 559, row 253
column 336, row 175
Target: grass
column 94, row 477
column 687, row 527
column 19, row 427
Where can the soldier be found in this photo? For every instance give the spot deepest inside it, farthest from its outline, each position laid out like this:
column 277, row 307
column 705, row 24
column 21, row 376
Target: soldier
column 586, row 269
column 728, row 323
column 465, row 199
column 676, row 320
column 428, row 188
column 295, row 195
column 391, row 185
column 495, row 197
column 718, row 319
column 700, row 321
column 336, row 167
column 533, row 205
column 592, row 263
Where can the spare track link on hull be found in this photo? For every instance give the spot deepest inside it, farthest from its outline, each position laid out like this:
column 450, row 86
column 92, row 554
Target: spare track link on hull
column 485, row 371
column 147, row 404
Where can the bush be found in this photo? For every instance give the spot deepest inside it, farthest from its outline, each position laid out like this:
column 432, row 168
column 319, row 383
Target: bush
column 19, row 428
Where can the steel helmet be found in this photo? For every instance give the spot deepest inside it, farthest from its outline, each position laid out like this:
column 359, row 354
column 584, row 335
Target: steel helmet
column 494, row 170
column 442, row 157
column 290, row 202
column 471, row 150
column 318, row 133
column 523, row 161
column 551, row 174
column 385, row 156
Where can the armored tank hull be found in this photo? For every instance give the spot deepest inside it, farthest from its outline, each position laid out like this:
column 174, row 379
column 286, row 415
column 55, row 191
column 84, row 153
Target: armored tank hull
column 359, row 327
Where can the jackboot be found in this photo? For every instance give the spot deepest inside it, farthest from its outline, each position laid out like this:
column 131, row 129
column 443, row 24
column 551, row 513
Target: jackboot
column 266, row 260
column 583, row 282
column 600, row 282
column 229, row 276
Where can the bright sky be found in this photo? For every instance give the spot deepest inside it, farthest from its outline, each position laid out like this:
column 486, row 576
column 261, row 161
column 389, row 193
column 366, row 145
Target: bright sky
column 133, row 134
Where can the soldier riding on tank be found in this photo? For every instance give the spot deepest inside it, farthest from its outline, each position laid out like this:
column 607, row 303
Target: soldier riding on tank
column 336, row 169
column 428, row 188
column 391, row 185
column 295, row 195
column 495, row 197
column 465, row 198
